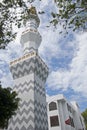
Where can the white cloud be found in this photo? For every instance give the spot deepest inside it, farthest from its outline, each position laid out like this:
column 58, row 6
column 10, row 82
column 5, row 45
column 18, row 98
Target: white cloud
column 1, row 73
column 12, row 51
column 43, row 4
column 76, row 76
column 7, row 80
column 79, row 65
column 58, row 80
column 49, row 44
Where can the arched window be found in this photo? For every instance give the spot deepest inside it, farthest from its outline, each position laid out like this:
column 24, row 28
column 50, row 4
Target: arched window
column 52, row 106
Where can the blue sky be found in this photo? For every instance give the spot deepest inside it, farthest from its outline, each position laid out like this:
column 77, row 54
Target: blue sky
column 65, row 57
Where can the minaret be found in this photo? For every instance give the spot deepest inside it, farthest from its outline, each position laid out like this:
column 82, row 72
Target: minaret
column 31, row 38
column 29, row 74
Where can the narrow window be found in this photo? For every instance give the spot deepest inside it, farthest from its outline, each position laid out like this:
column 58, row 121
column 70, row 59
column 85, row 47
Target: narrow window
column 69, row 108
column 81, row 121
column 54, row 121
column 71, row 121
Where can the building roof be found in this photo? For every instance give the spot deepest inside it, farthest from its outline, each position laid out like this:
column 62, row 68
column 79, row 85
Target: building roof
column 60, row 97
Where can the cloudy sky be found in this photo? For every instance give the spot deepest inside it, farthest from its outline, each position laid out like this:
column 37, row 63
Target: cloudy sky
column 66, row 58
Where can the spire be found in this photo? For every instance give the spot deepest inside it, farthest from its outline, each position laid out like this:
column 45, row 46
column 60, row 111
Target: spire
column 30, row 38
column 32, row 16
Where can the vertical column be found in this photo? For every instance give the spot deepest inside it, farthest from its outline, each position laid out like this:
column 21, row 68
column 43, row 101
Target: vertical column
column 61, row 113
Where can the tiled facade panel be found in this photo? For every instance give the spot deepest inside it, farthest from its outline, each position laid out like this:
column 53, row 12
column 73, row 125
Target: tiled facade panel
column 29, row 79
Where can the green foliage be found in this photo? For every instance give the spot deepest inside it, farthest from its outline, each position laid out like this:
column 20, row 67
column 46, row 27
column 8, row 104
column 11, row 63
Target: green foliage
column 8, row 105
column 84, row 114
column 12, row 12
column 71, row 14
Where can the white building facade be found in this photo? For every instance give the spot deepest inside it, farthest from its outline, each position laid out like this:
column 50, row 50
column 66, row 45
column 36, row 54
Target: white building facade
column 63, row 115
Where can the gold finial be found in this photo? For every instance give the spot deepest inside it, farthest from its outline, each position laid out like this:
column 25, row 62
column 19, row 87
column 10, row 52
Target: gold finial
column 32, row 10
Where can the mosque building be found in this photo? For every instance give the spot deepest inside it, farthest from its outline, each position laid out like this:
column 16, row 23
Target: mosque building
column 29, row 73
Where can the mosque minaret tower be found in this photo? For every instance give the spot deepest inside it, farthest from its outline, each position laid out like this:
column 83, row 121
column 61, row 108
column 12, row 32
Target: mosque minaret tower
column 29, row 74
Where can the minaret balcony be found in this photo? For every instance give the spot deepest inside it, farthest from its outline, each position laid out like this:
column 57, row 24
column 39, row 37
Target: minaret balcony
column 30, row 39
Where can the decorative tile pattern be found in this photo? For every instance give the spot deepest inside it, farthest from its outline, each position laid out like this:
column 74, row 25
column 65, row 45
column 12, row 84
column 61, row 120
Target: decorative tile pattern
column 30, row 66
column 32, row 112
